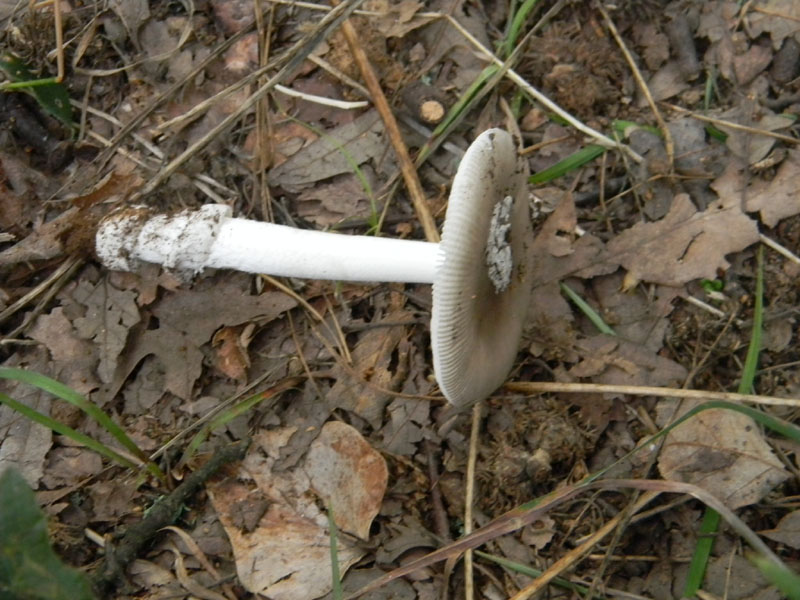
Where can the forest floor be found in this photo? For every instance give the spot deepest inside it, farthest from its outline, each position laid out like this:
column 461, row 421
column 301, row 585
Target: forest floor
column 680, row 242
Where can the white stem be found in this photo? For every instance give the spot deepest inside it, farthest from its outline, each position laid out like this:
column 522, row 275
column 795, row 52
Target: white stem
column 208, row 237
column 258, row 247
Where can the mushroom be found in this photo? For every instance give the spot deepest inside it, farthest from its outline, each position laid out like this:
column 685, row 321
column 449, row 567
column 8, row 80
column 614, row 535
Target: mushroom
column 479, row 270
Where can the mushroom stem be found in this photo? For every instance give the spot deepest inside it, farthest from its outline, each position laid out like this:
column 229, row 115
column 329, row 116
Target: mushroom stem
column 208, row 237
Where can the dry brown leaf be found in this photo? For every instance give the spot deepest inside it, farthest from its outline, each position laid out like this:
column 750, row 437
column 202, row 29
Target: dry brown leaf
column 787, row 531
column 777, row 17
column 747, row 145
column 280, row 543
column 781, row 198
column 110, row 314
column 343, row 198
column 68, row 466
column 334, row 154
column 654, row 43
column 752, row 63
column 231, row 350
column 398, row 17
column 74, row 359
column 723, row 452
column 403, row 431
column 24, row 443
column 372, row 358
column 132, row 13
column 349, row 475
column 734, row 577
column 633, row 315
column 45, row 242
column 186, row 320
column 611, row 360
column 539, row 533
column 113, row 499
column 665, row 83
column 685, row 245
column 558, row 254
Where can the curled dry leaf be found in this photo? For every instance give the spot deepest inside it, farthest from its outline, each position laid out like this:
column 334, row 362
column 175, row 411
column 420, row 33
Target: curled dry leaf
column 231, row 346
column 279, row 534
column 787, row 531
column 349, row 475
column 723, row 452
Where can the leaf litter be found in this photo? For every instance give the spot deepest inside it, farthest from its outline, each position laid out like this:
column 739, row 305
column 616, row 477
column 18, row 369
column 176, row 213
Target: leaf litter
column 157, row 353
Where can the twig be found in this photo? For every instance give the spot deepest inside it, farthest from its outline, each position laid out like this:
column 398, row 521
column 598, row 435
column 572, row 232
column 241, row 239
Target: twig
column 539, row 387
column 637, row 75
column 326, row 66
column 737, row 126
column 439, row 514
column 469, row 497
column 706, row 307
column 576, row 554
column 410, row 175
column 785, row 252
column 65, row 267
column 601, row 139
column 163, row 513
column 343, row 104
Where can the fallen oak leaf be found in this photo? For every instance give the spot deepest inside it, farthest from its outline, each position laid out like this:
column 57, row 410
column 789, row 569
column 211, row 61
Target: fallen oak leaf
column 780, row 198
column 685, row 245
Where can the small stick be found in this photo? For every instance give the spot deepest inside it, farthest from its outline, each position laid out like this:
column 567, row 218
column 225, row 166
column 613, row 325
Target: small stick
column 163, row 513
column 707, row 307
column 410, row 176
column 539, row 387
column 469, row 498
column 732, row 125
column 326, row 66
column 343, row 104
column 637, row 75
column 785, row 252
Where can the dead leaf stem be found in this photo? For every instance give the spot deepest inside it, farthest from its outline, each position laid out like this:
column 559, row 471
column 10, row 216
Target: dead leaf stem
column 539, row 387
column 637, row 75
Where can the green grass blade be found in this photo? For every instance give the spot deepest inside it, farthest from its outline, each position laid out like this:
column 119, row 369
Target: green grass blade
column 221, row 420
column 457, row 111
column 42, row 419
column 786, row 581
column 517, row 21
column 702, row 552
column 67, row 394
column 711, row 518
column 571, row 163
column 587, row 310
column 751, row 361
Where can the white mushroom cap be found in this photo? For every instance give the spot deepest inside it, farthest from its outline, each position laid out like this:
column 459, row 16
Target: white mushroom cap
column 482, row 287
